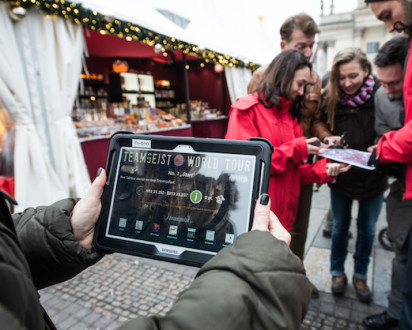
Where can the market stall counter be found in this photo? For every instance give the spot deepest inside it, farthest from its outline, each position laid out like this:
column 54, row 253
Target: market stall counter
column 210, row 128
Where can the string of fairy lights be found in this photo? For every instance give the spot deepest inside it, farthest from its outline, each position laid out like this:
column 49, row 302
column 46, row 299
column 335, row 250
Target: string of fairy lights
column 104, row 24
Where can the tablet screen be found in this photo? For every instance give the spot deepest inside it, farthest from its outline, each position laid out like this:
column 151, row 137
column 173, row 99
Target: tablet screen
column 188, row 199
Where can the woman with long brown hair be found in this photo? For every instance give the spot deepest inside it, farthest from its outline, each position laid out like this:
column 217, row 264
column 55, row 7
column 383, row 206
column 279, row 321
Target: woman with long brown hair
column 348, row 103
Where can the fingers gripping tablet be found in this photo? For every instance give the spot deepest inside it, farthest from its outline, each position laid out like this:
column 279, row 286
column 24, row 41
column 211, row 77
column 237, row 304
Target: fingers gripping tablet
column 179, row 199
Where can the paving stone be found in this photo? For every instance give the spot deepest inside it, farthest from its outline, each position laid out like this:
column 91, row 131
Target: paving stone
column 69, row 323
column 90, row 318
column 342, row 312
column 142, row 313
column 60, row 317
column 79, row 326
column 117, row 310
column 125, row 313
column 104, row 322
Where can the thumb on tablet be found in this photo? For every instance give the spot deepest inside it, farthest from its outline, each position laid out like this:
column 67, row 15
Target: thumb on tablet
column 265, row 220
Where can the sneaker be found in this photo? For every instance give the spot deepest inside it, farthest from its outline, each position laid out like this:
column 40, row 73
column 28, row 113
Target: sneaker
column 327, row 233
column 339, row 285
column 362, row 291
column 380, row 321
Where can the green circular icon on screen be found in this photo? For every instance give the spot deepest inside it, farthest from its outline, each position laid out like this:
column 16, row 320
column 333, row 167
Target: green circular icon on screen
column 196, row 196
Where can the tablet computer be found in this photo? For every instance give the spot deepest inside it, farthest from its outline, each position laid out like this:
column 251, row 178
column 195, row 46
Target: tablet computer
column 179, row 199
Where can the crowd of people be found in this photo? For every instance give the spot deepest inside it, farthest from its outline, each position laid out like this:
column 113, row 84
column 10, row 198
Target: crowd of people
column 354, row 104
column 260, row 282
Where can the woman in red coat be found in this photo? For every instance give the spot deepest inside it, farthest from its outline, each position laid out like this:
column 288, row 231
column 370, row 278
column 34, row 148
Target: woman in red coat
column 273, row 113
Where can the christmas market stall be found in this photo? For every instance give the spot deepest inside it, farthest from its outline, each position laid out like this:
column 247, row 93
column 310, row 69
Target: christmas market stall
column 73, row 74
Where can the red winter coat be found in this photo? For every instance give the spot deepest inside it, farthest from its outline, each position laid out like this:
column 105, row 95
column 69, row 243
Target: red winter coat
column 249, row 118
column 396, row 146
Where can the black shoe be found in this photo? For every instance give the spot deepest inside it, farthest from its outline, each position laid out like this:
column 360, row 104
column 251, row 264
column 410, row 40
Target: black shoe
column 327, row 233
column 315, row 292
column 362, row 291
column 380, row 321
column 339, row 285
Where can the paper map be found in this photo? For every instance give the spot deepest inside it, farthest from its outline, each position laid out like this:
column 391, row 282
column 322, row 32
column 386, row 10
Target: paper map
column 348, row 156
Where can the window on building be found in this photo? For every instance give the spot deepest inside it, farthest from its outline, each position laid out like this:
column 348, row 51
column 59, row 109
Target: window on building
column 372, row 47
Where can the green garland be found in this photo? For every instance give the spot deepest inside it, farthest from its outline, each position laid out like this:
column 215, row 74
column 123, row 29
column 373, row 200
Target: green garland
column 95, row 21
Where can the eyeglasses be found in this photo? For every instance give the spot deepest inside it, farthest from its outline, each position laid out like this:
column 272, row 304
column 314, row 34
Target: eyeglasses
column 391, row 83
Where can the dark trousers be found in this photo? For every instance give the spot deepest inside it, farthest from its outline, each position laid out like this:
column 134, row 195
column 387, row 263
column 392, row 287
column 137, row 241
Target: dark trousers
column 398, row 280
column 406, row 317
column 299, row 230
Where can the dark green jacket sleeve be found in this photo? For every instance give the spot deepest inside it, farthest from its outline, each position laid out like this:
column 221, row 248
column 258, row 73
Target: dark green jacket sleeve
column 257, row 283
column 46, row 238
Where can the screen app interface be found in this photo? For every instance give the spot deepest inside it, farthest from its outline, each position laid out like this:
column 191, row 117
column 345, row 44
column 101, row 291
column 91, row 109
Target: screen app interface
column 193, row 200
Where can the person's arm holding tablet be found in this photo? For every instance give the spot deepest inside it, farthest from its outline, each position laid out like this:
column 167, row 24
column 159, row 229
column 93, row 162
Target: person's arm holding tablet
column 256, row 283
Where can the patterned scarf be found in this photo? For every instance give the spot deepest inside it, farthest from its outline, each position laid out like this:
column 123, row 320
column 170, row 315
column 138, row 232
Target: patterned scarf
column 364, row 94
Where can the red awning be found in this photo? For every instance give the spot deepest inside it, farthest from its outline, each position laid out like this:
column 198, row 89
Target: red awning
column 100, row 45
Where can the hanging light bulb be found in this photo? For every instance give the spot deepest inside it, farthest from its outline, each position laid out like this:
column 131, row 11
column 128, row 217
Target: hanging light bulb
column 219, row 68
column 158, row 48
column 17, row 13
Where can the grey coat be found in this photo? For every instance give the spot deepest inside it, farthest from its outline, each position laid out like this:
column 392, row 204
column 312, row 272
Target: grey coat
column 389, row 113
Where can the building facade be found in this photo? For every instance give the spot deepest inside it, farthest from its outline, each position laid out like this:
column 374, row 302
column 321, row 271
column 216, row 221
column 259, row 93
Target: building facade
column 358, row 28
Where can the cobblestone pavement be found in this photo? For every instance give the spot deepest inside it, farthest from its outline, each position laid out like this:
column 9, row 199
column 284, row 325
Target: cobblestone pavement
column 121, row 287
column 114, row 290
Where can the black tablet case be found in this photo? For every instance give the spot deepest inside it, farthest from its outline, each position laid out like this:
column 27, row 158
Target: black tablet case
column 260, row 148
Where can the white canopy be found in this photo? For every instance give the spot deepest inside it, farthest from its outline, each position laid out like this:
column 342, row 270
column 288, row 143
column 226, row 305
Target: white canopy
column 206, row 28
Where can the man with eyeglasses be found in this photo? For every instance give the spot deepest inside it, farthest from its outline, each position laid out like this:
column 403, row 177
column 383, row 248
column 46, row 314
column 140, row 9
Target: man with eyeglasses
column 389, row 110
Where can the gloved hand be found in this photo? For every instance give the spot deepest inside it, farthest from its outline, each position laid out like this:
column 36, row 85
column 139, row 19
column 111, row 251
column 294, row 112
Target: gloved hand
column 395, row 169
column 373, row 159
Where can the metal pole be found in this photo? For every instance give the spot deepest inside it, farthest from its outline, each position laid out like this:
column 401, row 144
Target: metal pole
column 223, row 90
column 187, row 92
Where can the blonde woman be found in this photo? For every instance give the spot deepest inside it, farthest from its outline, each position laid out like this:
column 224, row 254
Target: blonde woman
column 348, row 103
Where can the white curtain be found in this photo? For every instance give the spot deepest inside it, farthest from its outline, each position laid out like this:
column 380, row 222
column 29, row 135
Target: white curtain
column 41, row 65
column 237, row 80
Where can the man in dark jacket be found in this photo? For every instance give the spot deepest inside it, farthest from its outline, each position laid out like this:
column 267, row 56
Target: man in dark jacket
column 256, row 283
column 389, row 115
column 396, row 146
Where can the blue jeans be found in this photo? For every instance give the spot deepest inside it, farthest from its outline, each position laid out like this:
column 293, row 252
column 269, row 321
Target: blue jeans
column 369, row 209
column 405, row 323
